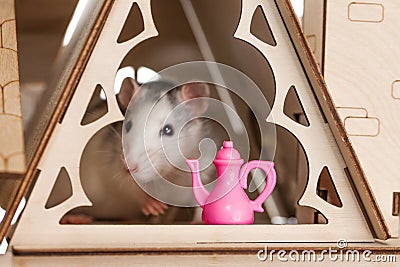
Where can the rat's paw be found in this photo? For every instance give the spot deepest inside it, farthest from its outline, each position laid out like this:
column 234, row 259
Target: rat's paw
column 76, row 219
column 153, row 207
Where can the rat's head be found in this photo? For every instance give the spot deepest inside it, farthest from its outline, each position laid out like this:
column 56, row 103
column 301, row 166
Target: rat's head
column 160, row 127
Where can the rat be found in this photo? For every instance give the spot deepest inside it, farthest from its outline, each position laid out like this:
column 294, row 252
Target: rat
column 155, row 145
column 163, row 127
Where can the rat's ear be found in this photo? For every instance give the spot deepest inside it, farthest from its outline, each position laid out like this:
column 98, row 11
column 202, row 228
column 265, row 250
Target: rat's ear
column 194, row 90
column 128, row 89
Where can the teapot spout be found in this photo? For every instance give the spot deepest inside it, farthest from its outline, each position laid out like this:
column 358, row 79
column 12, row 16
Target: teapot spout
column 200, row 193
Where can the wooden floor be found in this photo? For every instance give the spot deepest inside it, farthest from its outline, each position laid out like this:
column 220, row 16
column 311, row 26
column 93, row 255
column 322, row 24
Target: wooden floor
column 168, row 260
column 383, row 253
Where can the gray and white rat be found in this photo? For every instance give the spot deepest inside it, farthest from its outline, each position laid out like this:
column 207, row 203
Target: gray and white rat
column 156, row 144
column 161, row 129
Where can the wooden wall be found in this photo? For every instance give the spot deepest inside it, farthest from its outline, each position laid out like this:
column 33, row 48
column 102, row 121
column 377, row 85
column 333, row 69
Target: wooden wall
column 356, row 44
column 12, row 158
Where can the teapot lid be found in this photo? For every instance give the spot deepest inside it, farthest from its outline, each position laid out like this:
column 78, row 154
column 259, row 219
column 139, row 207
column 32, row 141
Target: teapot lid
column 227, row 152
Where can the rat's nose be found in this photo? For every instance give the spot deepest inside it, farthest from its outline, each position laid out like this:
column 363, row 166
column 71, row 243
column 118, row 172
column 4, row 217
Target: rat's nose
column 133, row 167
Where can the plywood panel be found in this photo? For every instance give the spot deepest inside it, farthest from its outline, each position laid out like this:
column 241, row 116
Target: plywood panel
column 12, row 157
column 318, row 139
column 365, row 12
column 313, row 24
column 362, row 71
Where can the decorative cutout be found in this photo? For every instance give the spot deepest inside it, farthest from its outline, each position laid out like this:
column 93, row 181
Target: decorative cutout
column 291, row 166
column 309, row 215
column 396, row 89
column 352, row 112
column 293, row 170
column 356, row 126
column 62, row 189
column 357, row 122
column 260, row 27
column 114, row 195
column 133, row 26
column 366, row 12
column 396, row 204
column 313, row 143
column 293, row 108
column 319, row 218
column 314, row 139
column 97, row 107
column 177, row 38
column 366, row 96
column 327, row 190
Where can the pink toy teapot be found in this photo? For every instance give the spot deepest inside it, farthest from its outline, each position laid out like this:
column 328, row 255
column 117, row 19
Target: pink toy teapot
column 228, row 203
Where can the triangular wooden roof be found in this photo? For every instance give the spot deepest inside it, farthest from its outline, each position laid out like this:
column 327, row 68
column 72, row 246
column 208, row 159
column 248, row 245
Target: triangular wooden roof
column 291, row 46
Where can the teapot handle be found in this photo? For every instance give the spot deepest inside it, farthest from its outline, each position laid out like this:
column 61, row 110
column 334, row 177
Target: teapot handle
column 268, row 168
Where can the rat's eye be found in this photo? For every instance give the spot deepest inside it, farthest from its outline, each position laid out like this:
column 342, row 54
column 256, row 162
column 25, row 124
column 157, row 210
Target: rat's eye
column 167, row 130
column 128, row 126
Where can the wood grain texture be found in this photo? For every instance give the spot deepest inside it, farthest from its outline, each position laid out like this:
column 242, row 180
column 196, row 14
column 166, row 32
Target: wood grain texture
column 314, row 23
column 355, row 169
column 361, row 69
column 169, row 259
column 165, row 254
column 12, row 156
column 292, row 64
column 57, row 107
